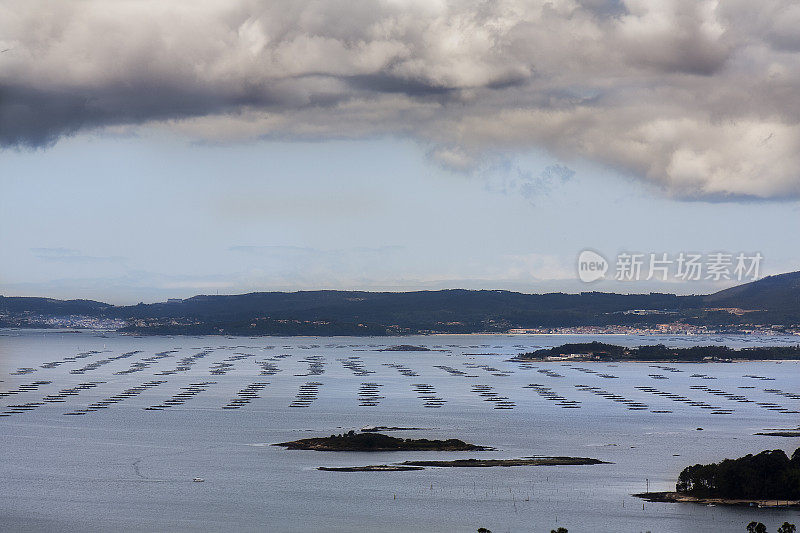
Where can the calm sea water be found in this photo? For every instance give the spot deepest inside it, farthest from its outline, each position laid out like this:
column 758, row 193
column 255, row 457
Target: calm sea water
column 125, row 467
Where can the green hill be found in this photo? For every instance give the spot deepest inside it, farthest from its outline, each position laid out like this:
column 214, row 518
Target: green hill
column 772, row 300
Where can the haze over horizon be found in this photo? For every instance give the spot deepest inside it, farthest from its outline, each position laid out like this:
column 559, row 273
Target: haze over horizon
column 152, row 150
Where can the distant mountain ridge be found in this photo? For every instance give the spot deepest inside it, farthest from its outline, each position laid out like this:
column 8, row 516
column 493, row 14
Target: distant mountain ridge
column 781, row 292
column 771, row 300
column 51, row 306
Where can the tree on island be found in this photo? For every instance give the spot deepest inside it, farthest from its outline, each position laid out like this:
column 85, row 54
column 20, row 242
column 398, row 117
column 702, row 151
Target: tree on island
column 787, row 528
column 660, row 352
column 559, row 530
column 769, row 475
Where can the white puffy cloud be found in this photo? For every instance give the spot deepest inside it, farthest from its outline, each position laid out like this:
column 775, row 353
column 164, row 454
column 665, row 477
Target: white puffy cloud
column 698, row 97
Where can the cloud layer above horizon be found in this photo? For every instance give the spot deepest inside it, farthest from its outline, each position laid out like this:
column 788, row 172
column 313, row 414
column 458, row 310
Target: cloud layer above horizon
column 697, row 97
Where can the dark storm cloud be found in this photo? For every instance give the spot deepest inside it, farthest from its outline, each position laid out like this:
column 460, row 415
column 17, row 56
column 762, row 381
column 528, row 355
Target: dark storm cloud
column 695, row 96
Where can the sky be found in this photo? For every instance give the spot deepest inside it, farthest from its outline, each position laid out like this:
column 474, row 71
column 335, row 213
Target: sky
column 151, row 150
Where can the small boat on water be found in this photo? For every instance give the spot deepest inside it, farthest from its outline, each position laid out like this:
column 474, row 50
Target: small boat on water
column 198, row 480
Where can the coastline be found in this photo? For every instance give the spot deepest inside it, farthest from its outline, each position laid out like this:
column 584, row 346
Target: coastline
column 639, row 333
column 675, row 361
column 677, row 497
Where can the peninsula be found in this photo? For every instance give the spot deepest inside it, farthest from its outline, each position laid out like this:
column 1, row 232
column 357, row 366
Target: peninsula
column 769, row 478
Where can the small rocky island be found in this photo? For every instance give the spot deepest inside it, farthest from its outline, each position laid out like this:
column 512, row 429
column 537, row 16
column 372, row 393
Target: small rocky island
column 370, row 468
column 525, row 461
column 405, row 348
column 378, row 442
column 779, row 433
column 467, row 463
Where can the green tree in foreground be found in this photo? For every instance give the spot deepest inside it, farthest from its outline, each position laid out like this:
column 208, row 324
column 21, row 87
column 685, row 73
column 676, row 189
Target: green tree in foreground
column 787, row 528
column 756, row 527
column 559, row 530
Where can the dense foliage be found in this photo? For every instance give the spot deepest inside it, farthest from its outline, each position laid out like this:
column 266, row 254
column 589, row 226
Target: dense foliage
column 660, row 352
column 369, row 442
column 769, row 475
column 772, row 300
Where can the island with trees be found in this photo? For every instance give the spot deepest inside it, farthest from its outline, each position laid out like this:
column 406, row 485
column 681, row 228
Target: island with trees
column 769, row 478
column 378, row 442
column 599, row 351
